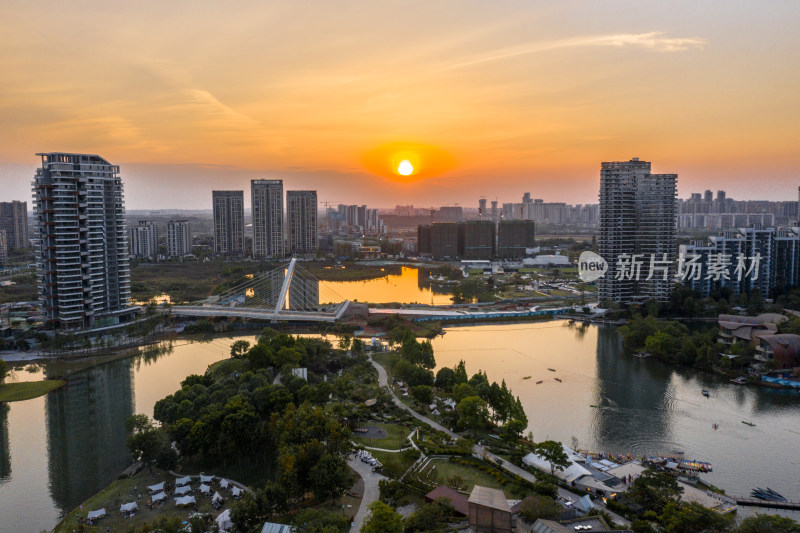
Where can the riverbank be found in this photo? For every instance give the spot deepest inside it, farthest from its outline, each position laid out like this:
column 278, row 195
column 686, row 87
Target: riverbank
column 17, row 392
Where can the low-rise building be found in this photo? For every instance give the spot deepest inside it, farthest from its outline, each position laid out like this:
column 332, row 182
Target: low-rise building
column 734, row 328
column 460, row 502
column 781, row 349
column 489, row 511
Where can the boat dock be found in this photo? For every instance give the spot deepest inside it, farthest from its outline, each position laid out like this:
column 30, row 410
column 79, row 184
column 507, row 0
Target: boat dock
column 754, row 502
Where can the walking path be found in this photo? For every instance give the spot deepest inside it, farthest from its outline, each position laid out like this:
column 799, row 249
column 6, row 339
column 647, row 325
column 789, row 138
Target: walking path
column 480, row 451
column 371, row 489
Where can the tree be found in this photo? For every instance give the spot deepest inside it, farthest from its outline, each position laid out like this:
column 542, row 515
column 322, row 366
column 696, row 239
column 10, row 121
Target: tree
column 553, row 452
column 320, row 521
column 344, row 342
column 144, row 440
column 246, row 515
column 462, row 390
column 382, row 519
column 461, row 372
column 330, row 477
column 653, row 491
column 445, row 379
column 512, row 430
column 693, row 518
column 430, row 517
column 238, row 348
column 537, row 506
column 3, row 370
column 764, row 523
column 422, row 393
column 472, row 413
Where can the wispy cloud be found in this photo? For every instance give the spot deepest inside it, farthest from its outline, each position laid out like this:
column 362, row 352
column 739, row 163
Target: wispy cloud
column 654, row 40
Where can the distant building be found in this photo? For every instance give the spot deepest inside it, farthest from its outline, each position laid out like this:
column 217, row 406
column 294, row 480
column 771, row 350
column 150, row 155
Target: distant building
column 143, row 240
column 424, row 240
column 179, row 240
column 81, row 242
column 514, row 237
column 489, row 511
column 268, row 235
column 302, row 220
column 14, row 220
column 449, row 214
column 228, row 222
column 637, row 223
column 3, row 248
column 445, row 240
column 478, row 239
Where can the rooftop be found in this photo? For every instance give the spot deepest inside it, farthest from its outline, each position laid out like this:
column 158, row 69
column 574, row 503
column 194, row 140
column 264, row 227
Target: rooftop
column 487, row 497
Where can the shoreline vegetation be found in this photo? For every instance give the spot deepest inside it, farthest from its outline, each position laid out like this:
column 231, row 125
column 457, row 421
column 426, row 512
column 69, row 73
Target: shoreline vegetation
column 27, row 390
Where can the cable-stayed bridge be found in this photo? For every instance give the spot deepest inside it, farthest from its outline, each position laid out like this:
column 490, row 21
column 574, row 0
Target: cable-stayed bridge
column 287, row 293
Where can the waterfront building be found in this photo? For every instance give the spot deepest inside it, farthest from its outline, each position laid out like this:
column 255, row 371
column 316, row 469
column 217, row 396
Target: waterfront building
column 81, row 242
column 302, row 221
column 514, row 237
column 179, row 242
column 14, row 220
column 780, row 350
column 228, row 222
column 445, row 242
column 637, row 223
column 143, row 240
column 268, row 235
column 478, row 239
column 424, row 240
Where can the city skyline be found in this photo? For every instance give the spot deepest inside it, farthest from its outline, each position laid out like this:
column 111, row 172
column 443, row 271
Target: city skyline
column 486, row 101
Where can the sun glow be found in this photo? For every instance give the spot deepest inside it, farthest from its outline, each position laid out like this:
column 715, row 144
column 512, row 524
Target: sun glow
column 405, row 168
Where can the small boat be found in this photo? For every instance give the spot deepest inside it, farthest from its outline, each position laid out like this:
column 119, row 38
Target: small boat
column 715, row 426
column 559, row 380
column 539, row 382
column 705, row 393
column 741, row 380
column 551, row 369
column 642, row 355
column 748, row 423
column 527, row 377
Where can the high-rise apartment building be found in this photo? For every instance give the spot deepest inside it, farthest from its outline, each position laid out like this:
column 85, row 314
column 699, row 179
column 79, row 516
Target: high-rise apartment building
column 3, row 248
column 143, row 240
column 268, row 234
column 301, row 207
column 514, row 238
column 479, row 238
column 14, row 220
column 179, row 242
column 637, row 232
column 228, row 222
column 81, row 241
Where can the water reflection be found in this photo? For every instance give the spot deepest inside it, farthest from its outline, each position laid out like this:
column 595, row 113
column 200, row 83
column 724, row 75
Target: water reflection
column 86, row 431
column 403, row 285
column 5, row 443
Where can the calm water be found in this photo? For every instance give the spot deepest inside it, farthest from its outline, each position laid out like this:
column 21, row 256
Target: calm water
column 411, row 285
column 58, row 450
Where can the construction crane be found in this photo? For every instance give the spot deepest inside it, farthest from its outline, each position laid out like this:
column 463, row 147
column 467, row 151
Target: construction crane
column 430, row 210
column 327, row 206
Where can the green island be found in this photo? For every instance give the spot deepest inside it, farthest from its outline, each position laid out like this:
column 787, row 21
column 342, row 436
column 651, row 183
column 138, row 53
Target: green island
column 17, row 392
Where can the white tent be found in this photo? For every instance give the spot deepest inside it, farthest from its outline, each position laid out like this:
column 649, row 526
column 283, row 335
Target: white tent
column 180, row 491
column 156, row 488
column 224, row 520
column 128, row 507
column 100, row 513
column 205, row 489
column 236, row 491
column 183, row 481
column 224, row 483
column 160, row 496
column 206, row 479
column 186, row 500
column 216, row 497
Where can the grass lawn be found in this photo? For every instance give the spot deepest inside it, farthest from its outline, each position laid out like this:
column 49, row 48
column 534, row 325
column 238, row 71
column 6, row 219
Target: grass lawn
column 16, row 392
column 126, row 490
column 445, row 470
column 395, row 437
column 399, row 461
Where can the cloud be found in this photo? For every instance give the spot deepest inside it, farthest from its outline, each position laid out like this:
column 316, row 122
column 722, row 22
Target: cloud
column 654, row 40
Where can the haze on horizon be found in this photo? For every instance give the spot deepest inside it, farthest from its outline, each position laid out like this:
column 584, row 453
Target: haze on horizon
column 489, row 98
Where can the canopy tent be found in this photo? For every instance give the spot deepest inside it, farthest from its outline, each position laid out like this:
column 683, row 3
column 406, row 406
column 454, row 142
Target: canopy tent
column 183, row 481
column 217, row 498
column 186, row 500
column 205, row 489
column 236, row 491
column 156, row 488
column 100, row 513
column 159, row 497
column 180, row 491
column 224, row 483
column 206, row 479
column 224, row 520
column 128, row 507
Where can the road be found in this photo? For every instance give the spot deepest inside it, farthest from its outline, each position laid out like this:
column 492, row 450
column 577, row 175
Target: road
column 371, row 490
column 480, row 451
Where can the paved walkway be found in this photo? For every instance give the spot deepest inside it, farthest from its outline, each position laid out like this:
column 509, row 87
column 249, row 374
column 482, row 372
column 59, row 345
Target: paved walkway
column 371, row 490
column 480, row 451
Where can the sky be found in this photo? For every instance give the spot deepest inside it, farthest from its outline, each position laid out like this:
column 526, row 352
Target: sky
column 484, row 98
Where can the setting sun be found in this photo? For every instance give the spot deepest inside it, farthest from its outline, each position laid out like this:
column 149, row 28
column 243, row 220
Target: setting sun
column 405, row 168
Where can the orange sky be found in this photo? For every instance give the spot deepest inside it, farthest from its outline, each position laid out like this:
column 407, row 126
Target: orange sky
column 494, row 98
